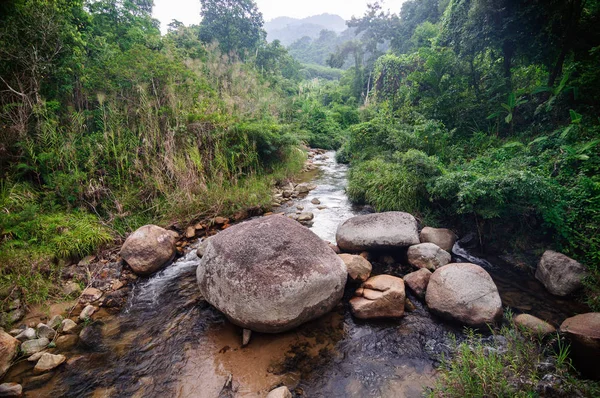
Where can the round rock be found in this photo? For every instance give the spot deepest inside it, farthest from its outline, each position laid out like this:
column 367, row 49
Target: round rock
column 359, row 269
column 381, row 296
column 391, row 230
column 442, row 237
column 428, row 255
column 148, row 249
column 560, row 274
column 584, row 332
column 534, row 324
column 271, row 274
column 465, row 293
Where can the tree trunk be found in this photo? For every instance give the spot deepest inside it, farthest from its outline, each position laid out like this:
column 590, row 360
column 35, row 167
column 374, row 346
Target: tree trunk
column 574, row 15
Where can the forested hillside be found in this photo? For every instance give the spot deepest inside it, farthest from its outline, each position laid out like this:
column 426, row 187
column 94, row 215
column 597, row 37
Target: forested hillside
column 288, row 30
column 106, row 126
column 483, row 115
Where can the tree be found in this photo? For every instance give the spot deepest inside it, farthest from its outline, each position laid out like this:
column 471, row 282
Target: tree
column 235, row 24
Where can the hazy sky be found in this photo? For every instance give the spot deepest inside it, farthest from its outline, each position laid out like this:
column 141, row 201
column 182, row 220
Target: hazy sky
column 188, row 11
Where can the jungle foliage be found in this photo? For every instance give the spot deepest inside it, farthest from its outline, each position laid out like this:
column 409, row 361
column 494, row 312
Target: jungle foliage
column 483, row 115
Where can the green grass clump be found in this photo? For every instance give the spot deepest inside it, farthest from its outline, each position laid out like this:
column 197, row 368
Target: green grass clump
column 510, row 369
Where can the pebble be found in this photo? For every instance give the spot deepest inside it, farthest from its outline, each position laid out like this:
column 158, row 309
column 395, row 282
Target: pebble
column 46, row 331
column 11, row 390
column 30, row 347
column 68, row 326
column 315, row 201
column 48, row 362
column 55, row 321
column 87, row 312
column 27, row 334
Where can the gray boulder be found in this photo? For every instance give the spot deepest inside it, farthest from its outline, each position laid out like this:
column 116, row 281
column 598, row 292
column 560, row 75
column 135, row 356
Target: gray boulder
column 560, row 274
column 442, row 237
column 465, row 293
column 428, row 255
column 148, row 249
column 391, row 230
column 271, row 274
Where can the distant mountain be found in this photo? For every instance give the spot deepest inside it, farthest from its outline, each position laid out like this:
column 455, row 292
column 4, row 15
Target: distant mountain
column 287, row 30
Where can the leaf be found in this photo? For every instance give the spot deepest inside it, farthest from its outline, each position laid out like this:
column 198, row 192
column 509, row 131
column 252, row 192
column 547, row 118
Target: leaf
column 509, row 118
column 575, row 117
column 582, row 157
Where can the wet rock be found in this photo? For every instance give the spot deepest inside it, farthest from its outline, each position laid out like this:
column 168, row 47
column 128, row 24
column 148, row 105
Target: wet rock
column 428, row 255
column 321, row 207
column 359, row 269
column 417, row 281
column 271, row 274
column 48, row 362
column 280, row 392
column 68, row 326
column 560, row 274
column 584, row 333
column 442, row 237
column 302, row 188
column 90, row 295
column 315, row 201
column 381, row 296
column 148, row 249
column 305, row 217
column 533, row 324
column 9, row 347
column 299, row 207
column 409, row 306
column 246, row 334
column 27, row 334
column 36, row 357
column 465, row 293
column 30, row 347
column 190, row 232
column 91, row 337
column 105, row 277
column 115, row 299
column 389, row 230
column 87, row 312
column 67, row 342
column 11, row 390
column 72, row 289
column 202, row 248
column 55, row 321
column 46, row 331
column 116, row 285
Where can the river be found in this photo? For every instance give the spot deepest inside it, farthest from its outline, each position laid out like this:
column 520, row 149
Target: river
column 168, row 342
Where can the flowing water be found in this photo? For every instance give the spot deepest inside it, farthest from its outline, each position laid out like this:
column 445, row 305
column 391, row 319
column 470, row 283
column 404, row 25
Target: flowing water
column 168, row 342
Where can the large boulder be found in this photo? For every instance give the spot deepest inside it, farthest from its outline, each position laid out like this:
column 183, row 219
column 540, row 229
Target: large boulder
column 428, row 255
column 442, row 237
column 465, row 293
column 391, row 230
column 9, row 347
column 560, row 274
column 359, row 268
column 381, row 296
column 148, row 249
column 584, row 332
column 271, row 274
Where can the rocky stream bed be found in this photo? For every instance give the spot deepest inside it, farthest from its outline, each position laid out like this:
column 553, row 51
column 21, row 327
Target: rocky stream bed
column 156, row 336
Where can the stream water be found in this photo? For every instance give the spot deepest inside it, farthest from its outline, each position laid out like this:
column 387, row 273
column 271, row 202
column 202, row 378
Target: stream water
column 168, row 342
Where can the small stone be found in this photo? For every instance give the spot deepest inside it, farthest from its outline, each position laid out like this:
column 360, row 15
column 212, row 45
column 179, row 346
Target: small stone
column 87, row 312
column 55, row 321
column 202, row 248
column 417, row 281
column 72, row 289
column 359, row 269
column 280, row 392
column 190, row 232
column 409, row 306
column 90, row 295
column 91, row 336
column 116, row 285
column 221, row 220
column 428, row 255
column 321, row 207
column 48, row 362
column 300, row 208
column 27, row 334
column 67, row 342
column 46, row 331
column 30, row 347
column 304, row 217
column 534, row 324
column 68, row 326
column 246, row 334
column 11, row 390
column 174, row 234
column 15, row 332
column 87, row 260
column 315, row 201
column 35, row 357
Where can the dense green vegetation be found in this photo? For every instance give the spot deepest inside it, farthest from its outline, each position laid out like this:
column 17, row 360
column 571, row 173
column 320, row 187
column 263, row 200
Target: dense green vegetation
column 105, row 126
column 482, row 116
column 508, row 364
